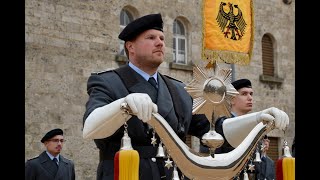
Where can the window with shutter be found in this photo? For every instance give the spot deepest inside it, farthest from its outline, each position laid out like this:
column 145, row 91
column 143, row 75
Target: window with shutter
column 267, row 56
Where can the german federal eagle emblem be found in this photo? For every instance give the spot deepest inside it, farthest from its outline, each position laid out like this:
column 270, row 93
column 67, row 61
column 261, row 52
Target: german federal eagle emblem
column 231, row 22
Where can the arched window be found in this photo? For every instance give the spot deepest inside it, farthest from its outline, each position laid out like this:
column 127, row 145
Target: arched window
column 179, row 43
column 267, row 56
column 125, row 18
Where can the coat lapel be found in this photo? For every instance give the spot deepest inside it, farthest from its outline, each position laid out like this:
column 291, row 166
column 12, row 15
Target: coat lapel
column 164, row 101
column 134, row 82
column 47, row 165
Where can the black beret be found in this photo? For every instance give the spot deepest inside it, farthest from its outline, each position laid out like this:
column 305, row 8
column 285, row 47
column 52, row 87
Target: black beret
column 238, row 84
column 137, row 26
column 51, row 134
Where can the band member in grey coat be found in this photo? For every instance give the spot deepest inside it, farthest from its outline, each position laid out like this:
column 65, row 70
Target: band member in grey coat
column 108, row 90
column 50, row 164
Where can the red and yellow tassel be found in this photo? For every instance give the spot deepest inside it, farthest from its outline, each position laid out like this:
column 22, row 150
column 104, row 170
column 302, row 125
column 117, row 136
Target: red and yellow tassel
column 126, row 160
column 286, row 165
column 126, row 165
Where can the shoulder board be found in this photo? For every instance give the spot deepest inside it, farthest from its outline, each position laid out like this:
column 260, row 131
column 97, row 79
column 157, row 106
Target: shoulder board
column 101, row 72
column 33, row 158
column 173, row 78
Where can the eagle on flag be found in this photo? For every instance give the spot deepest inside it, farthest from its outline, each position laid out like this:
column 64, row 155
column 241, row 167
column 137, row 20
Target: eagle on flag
column 236, row 22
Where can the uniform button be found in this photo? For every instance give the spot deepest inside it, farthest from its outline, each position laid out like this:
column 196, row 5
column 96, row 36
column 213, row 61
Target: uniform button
column 153, row 159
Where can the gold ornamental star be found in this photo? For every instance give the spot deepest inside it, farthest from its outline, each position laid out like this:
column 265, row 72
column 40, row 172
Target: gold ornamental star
column 153, row 141
column 251, row 167
column 168, row 163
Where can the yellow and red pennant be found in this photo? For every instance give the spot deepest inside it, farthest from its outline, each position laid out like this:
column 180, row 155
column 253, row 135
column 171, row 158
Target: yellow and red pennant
column 228, row 31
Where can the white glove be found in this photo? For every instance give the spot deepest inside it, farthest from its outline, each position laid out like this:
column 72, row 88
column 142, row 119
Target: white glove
column 141, row 105
column 281, row 119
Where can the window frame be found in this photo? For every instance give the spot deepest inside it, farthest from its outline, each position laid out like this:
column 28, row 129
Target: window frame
column 127, row 17
column 179, row 40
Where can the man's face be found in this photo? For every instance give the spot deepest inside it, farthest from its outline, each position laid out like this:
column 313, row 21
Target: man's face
column 243, row 102
column 147, row 49
column 54, row 145
column 266, row 144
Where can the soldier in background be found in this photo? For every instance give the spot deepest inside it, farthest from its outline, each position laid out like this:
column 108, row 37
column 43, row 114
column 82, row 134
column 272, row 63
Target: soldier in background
column 50, row 164
column 241, row 104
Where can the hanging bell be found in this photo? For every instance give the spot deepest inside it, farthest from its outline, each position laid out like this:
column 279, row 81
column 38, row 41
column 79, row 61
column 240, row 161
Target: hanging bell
column 126, row 142
column 245, row 175
column 286, row 149
column 175, row 174
column 257, row 159
column 160, row 152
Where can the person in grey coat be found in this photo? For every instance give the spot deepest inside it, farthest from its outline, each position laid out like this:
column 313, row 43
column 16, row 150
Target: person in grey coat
column 103, row 119
column 50, row 164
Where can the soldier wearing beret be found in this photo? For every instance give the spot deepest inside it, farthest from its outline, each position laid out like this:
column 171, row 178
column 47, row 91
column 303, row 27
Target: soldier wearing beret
column 241, row 104
column 50, row 164
column 145, row 49
column 146, row 91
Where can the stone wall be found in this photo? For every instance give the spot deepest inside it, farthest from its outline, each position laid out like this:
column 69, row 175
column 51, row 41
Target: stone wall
column 66, row 40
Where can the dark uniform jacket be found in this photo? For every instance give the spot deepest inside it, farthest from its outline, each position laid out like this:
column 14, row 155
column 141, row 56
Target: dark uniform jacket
column 226, row 147
column 106, row 87
column 42, row 168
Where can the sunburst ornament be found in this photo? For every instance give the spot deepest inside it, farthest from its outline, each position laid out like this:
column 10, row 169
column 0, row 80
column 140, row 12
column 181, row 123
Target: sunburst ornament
column 211, row 90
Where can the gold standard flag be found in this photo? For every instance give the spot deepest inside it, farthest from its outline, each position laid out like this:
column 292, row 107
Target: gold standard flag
column 228, row 31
